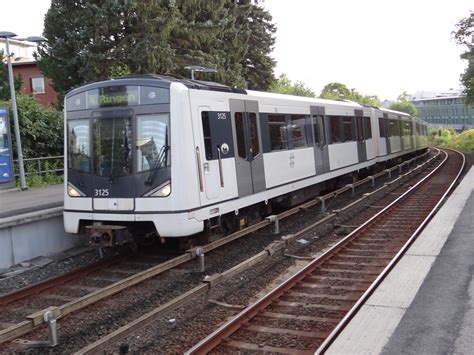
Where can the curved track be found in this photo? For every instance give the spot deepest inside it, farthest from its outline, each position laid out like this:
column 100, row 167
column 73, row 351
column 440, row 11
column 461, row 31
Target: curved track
column 306, row 312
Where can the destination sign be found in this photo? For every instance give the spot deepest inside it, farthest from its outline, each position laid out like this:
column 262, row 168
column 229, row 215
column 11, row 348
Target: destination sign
column 117, row 95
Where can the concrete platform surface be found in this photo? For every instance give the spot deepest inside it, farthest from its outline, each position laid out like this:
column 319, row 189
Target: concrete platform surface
column 425, row 305
column 16, row 202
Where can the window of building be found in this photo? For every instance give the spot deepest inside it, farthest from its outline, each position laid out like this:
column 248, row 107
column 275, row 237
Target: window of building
column 37, row 85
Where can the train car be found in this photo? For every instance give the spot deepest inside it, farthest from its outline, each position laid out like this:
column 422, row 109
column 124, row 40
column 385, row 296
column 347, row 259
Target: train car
column 156, row 157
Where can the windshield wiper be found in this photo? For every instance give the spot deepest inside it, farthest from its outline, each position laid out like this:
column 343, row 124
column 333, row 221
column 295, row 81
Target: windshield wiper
column 162, row 156
column 116, row 169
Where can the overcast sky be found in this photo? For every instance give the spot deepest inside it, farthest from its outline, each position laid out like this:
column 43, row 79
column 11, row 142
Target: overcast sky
column 376, row 47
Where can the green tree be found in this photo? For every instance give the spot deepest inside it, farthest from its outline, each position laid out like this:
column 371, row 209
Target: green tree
column 464, row 36
column 338, row 91
column 257, row 32
column 4, row 81
column 284, row 85
column 403, row 104
column 90, row 40
column 94, row 40
column 335, row 91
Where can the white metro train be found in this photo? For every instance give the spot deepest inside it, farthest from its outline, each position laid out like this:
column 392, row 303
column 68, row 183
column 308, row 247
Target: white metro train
column 152, row 156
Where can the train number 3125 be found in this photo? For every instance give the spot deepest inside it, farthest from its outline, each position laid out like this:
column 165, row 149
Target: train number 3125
column 101, row 192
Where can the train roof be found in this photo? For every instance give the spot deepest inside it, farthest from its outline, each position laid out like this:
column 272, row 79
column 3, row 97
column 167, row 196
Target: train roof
column 189, row 83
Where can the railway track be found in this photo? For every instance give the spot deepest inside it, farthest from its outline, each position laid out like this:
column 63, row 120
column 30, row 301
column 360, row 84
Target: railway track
column 35, row 319
column 307, row 312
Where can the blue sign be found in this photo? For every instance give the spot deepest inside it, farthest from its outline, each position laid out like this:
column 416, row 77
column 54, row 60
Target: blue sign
column 6, row 165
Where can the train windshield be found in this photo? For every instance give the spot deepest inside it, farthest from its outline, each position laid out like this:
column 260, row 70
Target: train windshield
column 152, row 141
column 130, row 136
column 113, row 147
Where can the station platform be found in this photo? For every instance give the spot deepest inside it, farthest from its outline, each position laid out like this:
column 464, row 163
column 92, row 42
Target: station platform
column 425, row 305
column 31, row 225
column 16, row 202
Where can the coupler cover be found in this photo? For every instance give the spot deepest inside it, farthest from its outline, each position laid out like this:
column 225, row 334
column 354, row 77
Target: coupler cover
column 106, row 235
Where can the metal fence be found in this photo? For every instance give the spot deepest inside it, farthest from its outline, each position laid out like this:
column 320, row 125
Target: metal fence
column 42, row 165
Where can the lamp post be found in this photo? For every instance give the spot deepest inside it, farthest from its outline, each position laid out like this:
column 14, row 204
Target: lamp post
column 21, row 168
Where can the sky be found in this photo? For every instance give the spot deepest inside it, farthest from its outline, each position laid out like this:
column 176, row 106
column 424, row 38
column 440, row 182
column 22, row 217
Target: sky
column 377, row 47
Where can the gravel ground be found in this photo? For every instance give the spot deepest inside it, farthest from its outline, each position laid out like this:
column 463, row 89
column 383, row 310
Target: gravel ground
column 190, row 323
column 62, row 263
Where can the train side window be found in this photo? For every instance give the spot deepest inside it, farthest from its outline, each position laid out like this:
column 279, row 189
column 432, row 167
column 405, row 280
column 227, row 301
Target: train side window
column 254, row 146
column 322, row 131
column 239, row 131
column 388, row 132
column 319, row 131
column 206, row 131
column 381, row 128
column 335, row 129
column 314, row 121
column 277, row 131
column 360, row 128
column 348, row 128
column 298, row 131
column 368, row 128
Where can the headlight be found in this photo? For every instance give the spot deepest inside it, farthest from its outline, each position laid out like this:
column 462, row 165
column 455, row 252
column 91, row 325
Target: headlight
column 73, row 191
column 161, row 191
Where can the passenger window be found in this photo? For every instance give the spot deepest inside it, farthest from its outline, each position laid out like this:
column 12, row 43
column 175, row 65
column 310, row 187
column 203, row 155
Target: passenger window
column 368, row 128
column 348, row 128
column 381, row 128
column 334, row 126
column 239, row 130
column 298, row 131
column 317, row 138
column 206, row 130
column 360, row 129
column 254, row 145
column 322, row 131
column 277, row 132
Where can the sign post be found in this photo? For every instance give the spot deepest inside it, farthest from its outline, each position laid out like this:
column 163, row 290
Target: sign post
column 7, row 175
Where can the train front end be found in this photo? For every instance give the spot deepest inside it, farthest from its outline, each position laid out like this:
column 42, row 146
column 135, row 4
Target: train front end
column 119, row 162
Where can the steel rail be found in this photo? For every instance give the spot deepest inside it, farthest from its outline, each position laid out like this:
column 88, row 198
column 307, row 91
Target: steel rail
column 55, row 281
column 343, row 323
column 210, row 281
column 229, row 328
column 35, row 320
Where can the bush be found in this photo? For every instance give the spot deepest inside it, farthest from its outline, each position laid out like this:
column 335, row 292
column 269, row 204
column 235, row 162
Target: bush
column 41, row 128
column 447, row 137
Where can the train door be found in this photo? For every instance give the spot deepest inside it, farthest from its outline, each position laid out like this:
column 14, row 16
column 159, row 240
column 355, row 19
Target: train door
column 113, row 185
column 248, row 146
column 361, row 143
column 321, row 152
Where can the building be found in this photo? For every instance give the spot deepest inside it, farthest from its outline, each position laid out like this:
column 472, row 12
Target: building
column 34, row 82
column 444, row 109
column 23, row 64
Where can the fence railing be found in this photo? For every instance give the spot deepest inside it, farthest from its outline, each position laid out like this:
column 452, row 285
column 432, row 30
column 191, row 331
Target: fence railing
column 42, row 165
